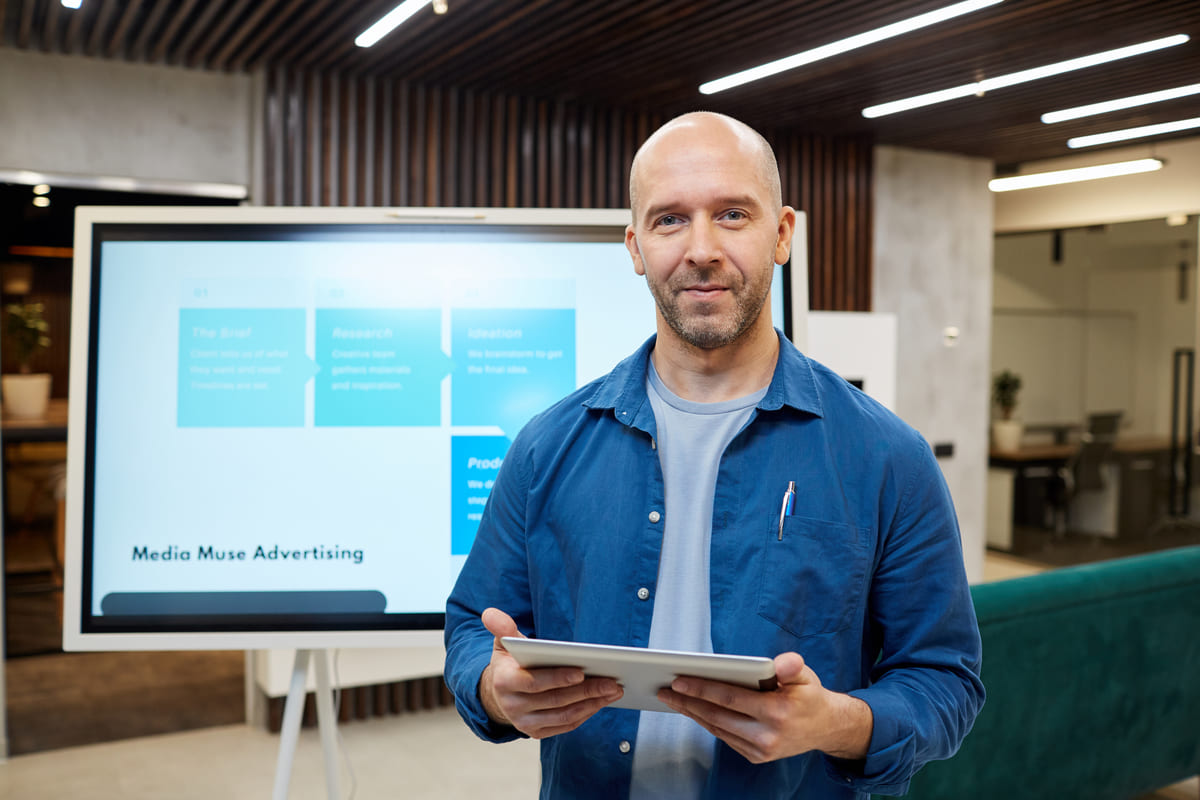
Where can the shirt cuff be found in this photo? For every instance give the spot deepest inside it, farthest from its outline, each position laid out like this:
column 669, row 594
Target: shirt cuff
column 887, row 767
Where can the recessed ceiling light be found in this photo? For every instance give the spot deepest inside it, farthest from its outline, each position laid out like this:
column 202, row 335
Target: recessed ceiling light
column 71, row 3
column 42, row 188
column 41, row 201
column 389, row 22
column 1134, row 133
column 1118, row 104
column 1024, row 76
column 844, row 45
column 1056, row 177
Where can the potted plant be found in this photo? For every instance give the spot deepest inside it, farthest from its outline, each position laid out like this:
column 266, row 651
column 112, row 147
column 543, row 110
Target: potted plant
column 1007, row 430
column 25, row 393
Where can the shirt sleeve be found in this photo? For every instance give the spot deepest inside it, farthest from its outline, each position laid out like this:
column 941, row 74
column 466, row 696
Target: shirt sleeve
column 495, row 575
column 925, row 690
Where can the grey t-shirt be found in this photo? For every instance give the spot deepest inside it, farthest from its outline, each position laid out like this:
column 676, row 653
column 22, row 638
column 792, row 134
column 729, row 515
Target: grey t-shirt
column 673, row 753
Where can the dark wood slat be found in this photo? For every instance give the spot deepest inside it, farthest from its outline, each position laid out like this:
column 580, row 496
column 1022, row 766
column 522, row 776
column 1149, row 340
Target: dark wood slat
column 50, row 26
column 138, row 49
column 74, row 35
column 305, row 25
column 228, row 17
column 117, row 40
column 100, row 26
column 251, row 24
column 159, row 53
column 195, row 27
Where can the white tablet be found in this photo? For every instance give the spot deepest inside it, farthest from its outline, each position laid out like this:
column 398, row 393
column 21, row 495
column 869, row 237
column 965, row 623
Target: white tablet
column 641, row 671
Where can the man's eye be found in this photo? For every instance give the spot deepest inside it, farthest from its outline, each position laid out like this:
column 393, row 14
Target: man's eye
column 668, row 219
column 735, row 215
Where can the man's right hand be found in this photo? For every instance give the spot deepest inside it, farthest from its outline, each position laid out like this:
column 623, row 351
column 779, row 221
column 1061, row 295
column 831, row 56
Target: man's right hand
column 537, row 702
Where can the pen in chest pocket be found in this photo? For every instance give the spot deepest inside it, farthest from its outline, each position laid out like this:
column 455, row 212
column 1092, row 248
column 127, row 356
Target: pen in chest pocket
column 789, row 500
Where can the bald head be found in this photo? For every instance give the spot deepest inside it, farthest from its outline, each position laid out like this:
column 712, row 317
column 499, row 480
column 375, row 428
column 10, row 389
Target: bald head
column 706, row 129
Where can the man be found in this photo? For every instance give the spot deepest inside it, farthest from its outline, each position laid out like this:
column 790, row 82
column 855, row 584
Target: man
column 644, row 510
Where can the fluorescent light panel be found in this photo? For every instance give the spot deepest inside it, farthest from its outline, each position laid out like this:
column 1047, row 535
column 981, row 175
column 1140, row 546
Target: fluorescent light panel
column 1024, row 76
column 389, row 22
column 1120, row 103
column 72, row 3
column 844, row 45
column 1133, row 133
column 1074, row 175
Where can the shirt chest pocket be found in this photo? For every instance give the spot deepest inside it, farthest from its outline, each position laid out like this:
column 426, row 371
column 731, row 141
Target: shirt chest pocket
column 813, row 580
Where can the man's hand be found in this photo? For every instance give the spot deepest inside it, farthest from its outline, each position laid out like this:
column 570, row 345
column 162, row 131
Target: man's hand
column 799, row 716
column 537, row 702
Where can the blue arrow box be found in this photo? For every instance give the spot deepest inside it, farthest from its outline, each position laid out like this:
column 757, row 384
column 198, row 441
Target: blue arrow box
column 510, row 364
column 242, row 367
column 379, row 367
column 474, row 463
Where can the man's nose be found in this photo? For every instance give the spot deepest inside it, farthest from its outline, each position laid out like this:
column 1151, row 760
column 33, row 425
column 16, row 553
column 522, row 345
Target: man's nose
column 704, row 243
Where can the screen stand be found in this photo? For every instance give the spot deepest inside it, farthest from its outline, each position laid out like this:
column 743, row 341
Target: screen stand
column 293, row 709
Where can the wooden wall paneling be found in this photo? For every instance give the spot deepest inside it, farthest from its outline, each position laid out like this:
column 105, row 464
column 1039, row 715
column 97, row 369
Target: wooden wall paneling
column 570, row 161
column 349, row 151
column 512, row 176
column 465, row 142
column 433, row 116
column 314, row 118
column 525, row 157
column 384, row 118
column 401, row 144
column 449, row 150
column 416, row 149
column 555, row 171
column 366, row 142
column 541, row 161
column 331, row 141
column 587, row 156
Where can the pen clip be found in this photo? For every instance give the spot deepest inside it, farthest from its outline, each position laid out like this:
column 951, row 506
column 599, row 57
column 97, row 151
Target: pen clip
column 789, row 501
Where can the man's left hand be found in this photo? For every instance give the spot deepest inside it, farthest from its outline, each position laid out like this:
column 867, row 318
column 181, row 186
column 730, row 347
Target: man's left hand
column 799, row 716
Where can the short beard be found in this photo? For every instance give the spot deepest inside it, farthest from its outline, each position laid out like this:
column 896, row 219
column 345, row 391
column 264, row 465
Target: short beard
column 711, row 331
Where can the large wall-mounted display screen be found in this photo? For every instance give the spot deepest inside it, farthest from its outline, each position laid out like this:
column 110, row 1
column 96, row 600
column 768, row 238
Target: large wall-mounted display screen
column 285, row 422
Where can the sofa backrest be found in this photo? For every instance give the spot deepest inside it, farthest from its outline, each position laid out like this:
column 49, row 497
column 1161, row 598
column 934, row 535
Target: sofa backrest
column 1093, row 681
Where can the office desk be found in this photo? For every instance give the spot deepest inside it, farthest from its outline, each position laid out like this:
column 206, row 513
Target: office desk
column 50, row 428
column 1016, row 488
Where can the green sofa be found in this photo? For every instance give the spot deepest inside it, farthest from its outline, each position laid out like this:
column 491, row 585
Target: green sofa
column 1093, row 680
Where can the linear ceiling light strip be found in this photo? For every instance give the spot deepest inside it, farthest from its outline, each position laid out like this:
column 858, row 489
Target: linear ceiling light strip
column 1074, row 175
column 1133, row 133
column 1024, row 76
column 844, row 45
column 1120, row 103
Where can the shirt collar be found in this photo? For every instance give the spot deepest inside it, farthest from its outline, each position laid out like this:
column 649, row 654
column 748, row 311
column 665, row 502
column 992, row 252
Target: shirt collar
column 793, row 384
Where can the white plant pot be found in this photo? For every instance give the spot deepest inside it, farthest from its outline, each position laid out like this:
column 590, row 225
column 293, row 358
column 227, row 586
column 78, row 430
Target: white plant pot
column 25, row 396
column 1007, row 433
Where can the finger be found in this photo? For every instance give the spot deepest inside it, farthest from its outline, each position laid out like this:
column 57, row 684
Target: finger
column 791, row 669
column 499, row 624
column 540, row 725
column 721, row 723
column 724, row 695
column 604, row 689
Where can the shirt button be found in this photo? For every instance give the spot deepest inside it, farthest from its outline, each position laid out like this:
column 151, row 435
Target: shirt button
column 624, row 746
column 643, row 593
column 655, row 516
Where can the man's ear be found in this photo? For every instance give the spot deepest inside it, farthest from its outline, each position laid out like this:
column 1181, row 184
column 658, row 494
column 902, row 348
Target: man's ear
column 634, row 251
column 787, row 228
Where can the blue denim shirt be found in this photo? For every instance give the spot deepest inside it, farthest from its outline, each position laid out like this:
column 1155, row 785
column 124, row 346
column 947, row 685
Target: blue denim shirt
column 867, row 583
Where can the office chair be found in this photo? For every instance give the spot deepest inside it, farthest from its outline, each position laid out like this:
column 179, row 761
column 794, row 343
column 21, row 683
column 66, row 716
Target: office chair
column 1084, row 470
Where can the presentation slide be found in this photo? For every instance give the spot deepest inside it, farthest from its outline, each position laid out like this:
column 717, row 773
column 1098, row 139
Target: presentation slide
column 284, row 427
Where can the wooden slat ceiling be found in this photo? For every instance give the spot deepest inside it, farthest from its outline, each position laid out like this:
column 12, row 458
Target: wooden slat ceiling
column 652, row 54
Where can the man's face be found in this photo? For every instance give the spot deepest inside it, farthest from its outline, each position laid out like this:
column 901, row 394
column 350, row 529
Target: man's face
column 707, row 234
